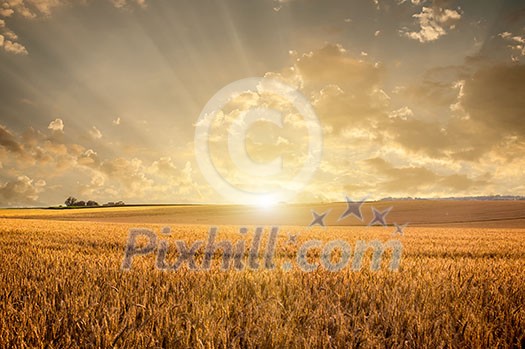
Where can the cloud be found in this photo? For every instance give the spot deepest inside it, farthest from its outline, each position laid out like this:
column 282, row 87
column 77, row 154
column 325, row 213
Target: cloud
column 39, row 151
column 402, row 113
column 6, row 12
column 164, row 167
column 414, row 2
column 186, row 179
column 21, row 191
column 417, row 180
column 88, row 158
column 85, row 172
column 124, row 3
column 119, row 3
column 130, row 174
column 434, row 22
column 116, row 121
column 33, row 8
column 494, row 97
column 345, row 89
column 431, row 124
column 14, row 47
column 515, row 42
column 8, row 140
column 56, row 125
column 480, row 114
column 95, row 133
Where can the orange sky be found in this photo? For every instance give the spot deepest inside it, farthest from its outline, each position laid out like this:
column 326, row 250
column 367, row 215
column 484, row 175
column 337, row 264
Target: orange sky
column 100, row 99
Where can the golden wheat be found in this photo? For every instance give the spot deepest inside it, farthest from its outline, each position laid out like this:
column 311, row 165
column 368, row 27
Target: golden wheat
column 62, row 287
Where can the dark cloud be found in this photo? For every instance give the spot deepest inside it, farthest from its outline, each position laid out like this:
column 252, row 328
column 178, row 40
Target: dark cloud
column 495, row 97
column 419, row 180
column 465, row 119
column 8, row 141
column 21, row 191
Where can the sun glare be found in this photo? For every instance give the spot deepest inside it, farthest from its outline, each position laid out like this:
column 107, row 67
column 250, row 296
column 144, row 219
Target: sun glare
column 265, row 201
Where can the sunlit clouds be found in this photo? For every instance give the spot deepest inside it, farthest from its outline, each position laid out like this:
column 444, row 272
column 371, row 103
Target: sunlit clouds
column 100, row 100
column 434, row 22
column 56, row 125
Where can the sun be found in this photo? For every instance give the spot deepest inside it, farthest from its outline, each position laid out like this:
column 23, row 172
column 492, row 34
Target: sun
column 265, row 201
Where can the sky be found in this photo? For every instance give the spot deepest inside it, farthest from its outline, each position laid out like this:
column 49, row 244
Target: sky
column 101, row 99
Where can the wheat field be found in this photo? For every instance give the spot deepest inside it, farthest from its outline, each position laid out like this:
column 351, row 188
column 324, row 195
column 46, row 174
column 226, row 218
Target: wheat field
column 62, row 287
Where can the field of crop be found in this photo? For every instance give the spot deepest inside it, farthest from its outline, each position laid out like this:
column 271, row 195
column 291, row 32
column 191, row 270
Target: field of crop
column 61, row 285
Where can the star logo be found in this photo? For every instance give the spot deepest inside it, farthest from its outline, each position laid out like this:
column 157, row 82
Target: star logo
column 379, row 217
column 292, row 239
column 400, row 228
column 353, row 208
column 319, row 218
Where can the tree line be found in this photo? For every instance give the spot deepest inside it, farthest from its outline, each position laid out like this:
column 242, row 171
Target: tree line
column 73, row 202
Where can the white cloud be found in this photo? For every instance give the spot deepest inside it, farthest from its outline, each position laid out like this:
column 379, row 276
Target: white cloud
column 505, row 35
column 95, row 133
column 90, row 152
column 56, row 125
column 89, row 157
column 434, row 23
column 14, row 47
column 401, row 113
column 515, row 43
column 460, row 86
column 116, row 121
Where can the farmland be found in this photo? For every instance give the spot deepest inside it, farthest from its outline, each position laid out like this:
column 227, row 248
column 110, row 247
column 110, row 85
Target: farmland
column 460, row 282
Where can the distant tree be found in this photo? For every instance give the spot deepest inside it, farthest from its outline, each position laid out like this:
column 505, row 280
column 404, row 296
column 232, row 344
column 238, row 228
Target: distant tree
column 119, row 203
column 80, row 203
column 91, row 203
column 70, row 201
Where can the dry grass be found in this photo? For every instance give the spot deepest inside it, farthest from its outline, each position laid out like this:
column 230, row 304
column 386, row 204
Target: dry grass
column 507, row 214
column 61, row 286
